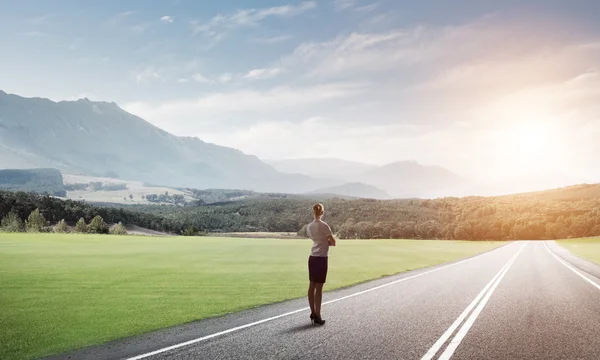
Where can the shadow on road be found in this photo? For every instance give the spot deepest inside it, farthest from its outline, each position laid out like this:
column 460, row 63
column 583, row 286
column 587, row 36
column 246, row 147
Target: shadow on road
column 300, row 328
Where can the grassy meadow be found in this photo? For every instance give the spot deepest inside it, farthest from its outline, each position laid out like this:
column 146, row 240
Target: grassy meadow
column 65, row 291
column 587, row 248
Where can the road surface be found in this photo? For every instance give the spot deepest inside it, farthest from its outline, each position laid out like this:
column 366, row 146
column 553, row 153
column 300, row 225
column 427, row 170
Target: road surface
column 525, row 300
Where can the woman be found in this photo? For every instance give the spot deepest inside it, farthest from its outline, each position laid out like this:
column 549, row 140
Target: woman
column 320, row 233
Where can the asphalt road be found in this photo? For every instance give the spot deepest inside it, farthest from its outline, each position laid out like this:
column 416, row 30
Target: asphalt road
column 525, row 300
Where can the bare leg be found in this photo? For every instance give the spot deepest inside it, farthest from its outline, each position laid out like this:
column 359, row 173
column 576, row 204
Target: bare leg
column 311, row 297
column 318, row 298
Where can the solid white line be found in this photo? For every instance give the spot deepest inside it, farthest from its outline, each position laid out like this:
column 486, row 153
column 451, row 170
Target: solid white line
column 442, row 340
column 207, row 337
column 572, row 268
column 455, row 342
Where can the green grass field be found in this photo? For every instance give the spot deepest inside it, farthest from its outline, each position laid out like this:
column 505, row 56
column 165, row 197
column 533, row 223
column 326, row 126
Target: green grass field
column 588, row 248
column 61, row 292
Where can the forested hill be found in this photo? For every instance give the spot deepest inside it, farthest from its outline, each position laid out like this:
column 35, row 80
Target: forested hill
column 562, row 213
column 555, row 214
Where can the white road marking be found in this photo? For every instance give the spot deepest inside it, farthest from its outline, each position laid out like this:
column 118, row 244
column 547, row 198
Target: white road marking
column 207, row 337
column 442, row 340
column 572, row 268
column 455, row 342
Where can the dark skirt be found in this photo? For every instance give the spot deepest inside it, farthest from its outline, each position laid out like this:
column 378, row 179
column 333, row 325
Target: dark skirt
column 317, row 269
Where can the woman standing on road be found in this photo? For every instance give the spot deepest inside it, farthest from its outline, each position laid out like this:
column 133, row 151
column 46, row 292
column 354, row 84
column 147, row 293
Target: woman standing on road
column 320, row 233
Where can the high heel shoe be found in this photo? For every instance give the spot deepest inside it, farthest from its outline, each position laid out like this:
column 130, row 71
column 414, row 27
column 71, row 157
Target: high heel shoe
column 312, row 318
column 317, row 320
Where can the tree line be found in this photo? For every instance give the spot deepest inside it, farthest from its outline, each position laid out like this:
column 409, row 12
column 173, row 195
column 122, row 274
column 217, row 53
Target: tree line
column 36, row 223
column 22, row 204
column 556, row 214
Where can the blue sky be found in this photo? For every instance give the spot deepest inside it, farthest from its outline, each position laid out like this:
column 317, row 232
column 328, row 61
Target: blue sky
column 469, row 85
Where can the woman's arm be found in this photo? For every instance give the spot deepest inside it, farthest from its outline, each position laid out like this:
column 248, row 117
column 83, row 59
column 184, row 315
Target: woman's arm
column 331, row 240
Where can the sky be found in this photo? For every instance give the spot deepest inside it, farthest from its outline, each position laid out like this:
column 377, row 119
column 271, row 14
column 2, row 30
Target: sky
column 488, row 89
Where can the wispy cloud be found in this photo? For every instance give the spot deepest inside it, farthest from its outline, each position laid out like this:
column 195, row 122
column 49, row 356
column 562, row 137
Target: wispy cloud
column 34, row 34
column 272, row 39
column 149, row 74
column 261, row 74
column 247, row 100
column 120, row 17
column 221, row 24
column 225, row 78
column 344, row 4
column 171, row 70
column 199, row 78
column 140, row 28
column 167, row 19
column 354, row 5
column 38, row 20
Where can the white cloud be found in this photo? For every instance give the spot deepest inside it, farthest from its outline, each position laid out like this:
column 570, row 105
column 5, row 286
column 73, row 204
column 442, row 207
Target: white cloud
column 170, row 69
column 35, row 34
column 149, row 74
column 272, row 40
column 261, row 74
column 121, row 17
column 344, row 4
column 354, row 5
column 220, row 24
column 167, row 19
column 38, row 20
column 225, row 78
column 239, row 105
column 200, row 78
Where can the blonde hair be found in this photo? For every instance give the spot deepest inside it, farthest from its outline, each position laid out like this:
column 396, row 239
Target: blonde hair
column 318, row 210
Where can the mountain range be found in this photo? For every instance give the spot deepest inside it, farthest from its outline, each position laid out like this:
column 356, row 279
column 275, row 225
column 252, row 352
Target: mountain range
column 100, row 139
column 399, row 179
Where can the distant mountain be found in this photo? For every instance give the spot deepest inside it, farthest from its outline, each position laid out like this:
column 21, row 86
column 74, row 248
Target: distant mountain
column 406, row 179
column 325, row 168
column 101, row 139
column 355, row 190
column 402, row 179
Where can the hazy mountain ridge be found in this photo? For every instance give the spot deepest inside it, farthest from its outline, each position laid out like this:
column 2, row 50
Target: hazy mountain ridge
column 405, row 179
column 401, row 179
column 355, row 190
column 321, row 167
column 101, row 139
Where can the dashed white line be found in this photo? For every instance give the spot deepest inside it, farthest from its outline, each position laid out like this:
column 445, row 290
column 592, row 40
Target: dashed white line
column 207, row 337
column 572, row 268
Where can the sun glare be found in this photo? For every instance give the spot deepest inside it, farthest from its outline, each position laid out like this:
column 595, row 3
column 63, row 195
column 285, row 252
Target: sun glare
column 531, row 140
column 532, row 147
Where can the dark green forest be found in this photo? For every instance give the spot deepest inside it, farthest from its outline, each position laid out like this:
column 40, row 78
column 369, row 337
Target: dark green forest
column 40, row 181
column 55, row 210
column 555, row 214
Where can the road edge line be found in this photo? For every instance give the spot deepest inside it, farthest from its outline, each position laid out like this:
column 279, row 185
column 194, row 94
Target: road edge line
column 572, row 268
